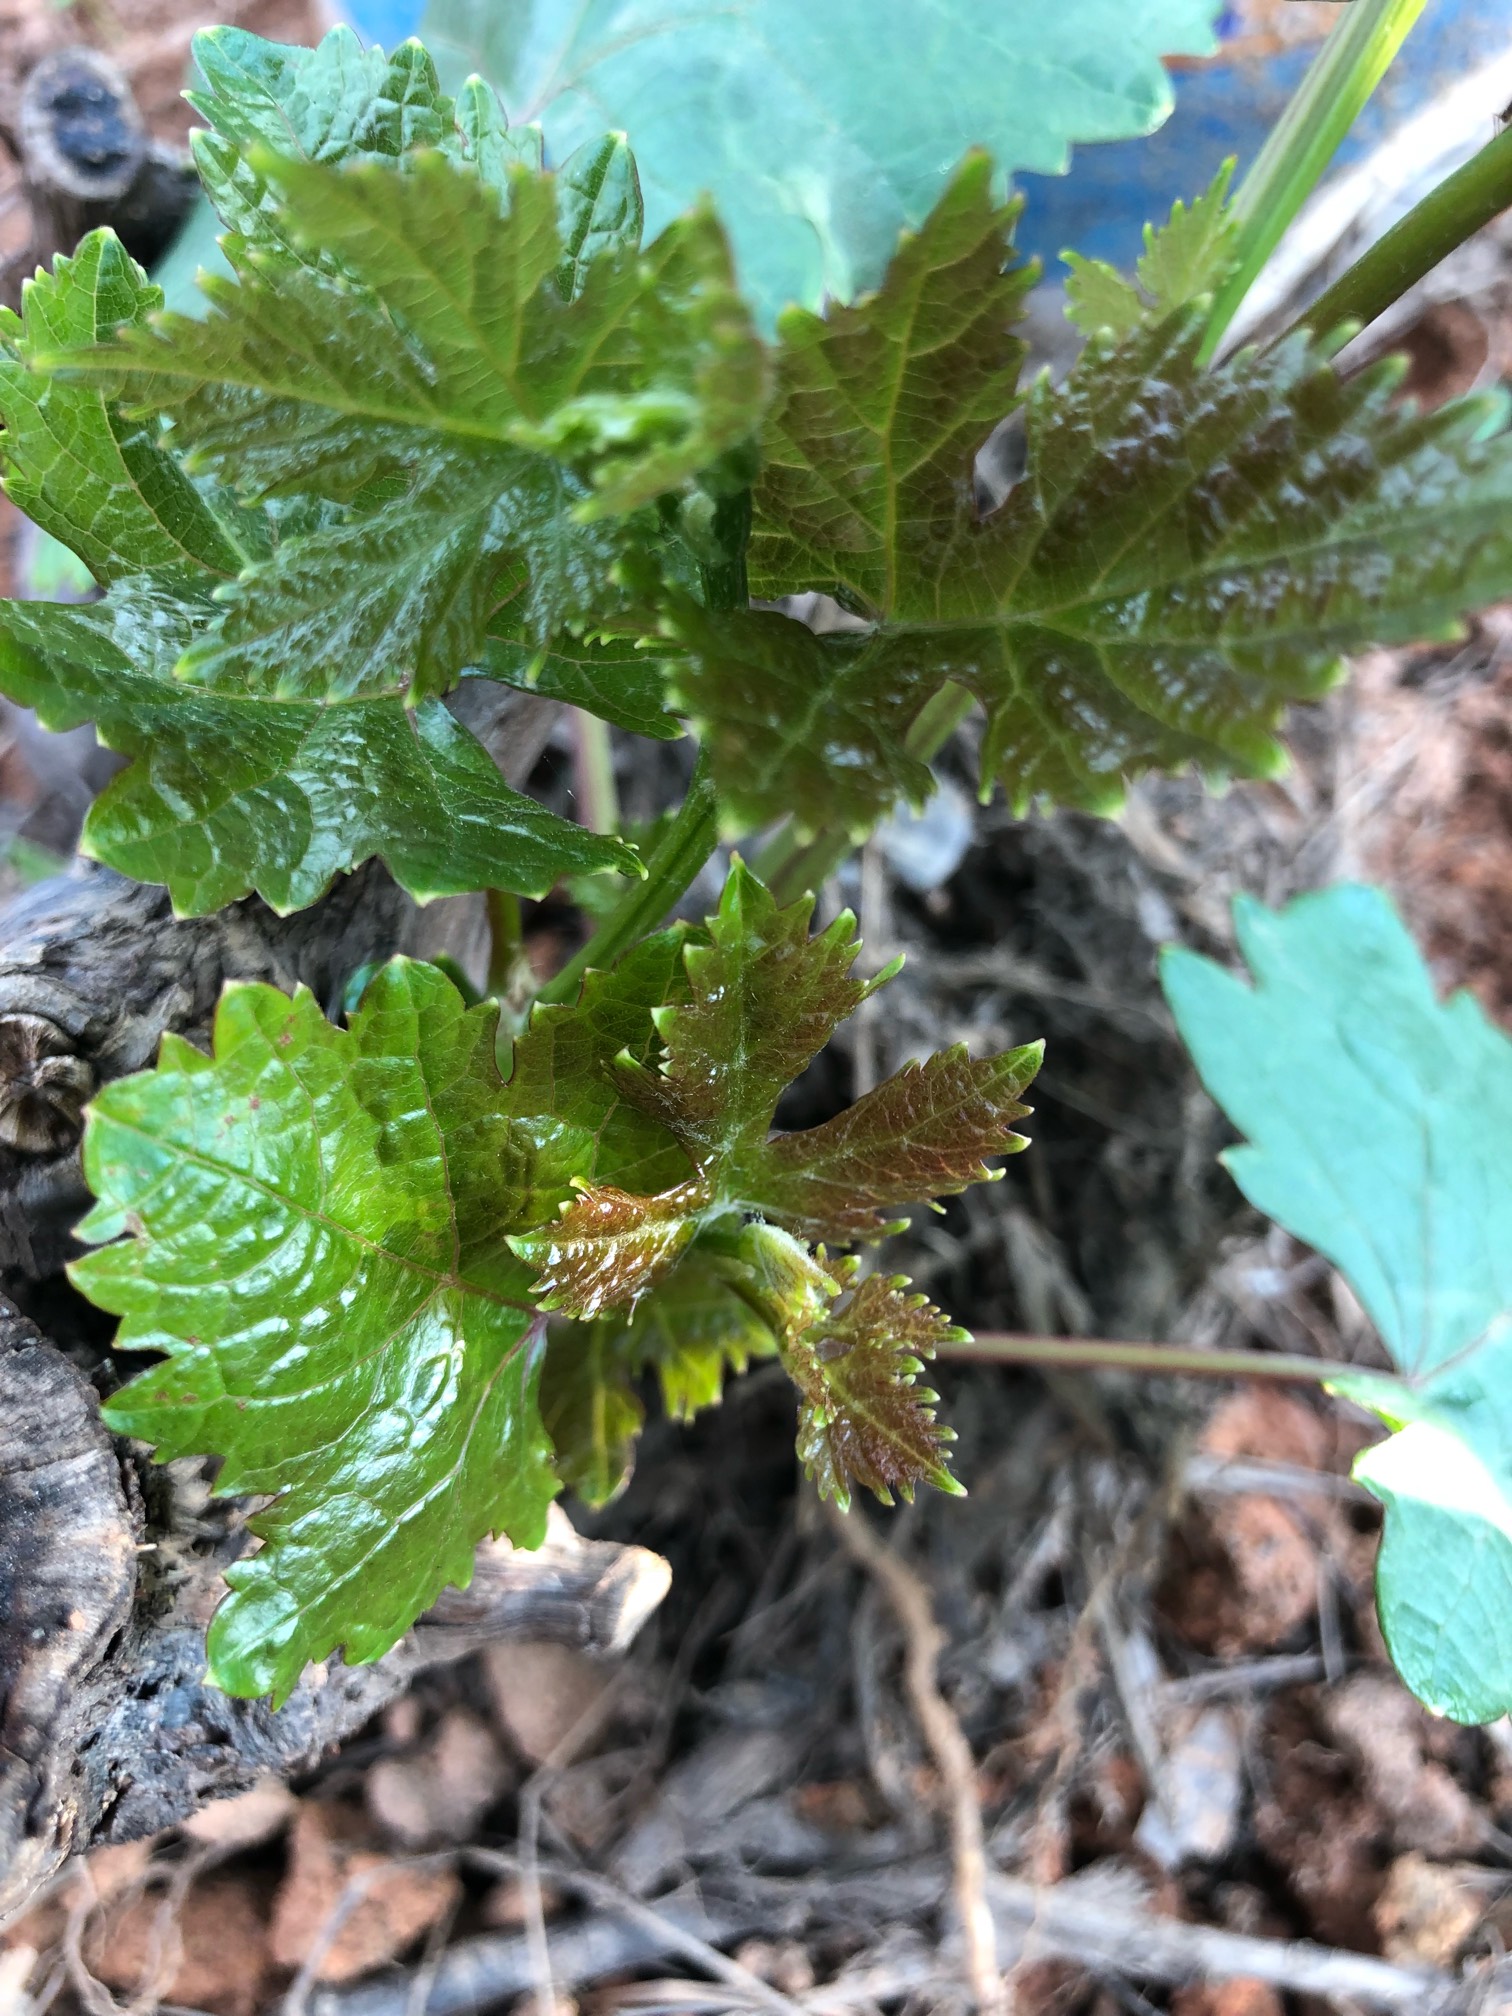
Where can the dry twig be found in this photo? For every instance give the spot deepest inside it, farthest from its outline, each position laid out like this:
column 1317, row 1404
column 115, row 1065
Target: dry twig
column 924, row 1641
column 677, row 1938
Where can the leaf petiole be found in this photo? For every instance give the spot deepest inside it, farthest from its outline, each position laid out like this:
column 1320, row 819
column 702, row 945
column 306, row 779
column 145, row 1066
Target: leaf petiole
column 1461, row 205
column 1083, row 1354
column 686, row 846
column 1304, row 141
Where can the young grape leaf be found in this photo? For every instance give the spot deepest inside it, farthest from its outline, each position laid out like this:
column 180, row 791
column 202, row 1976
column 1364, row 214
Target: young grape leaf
column 924, row 1132
column 620, row 680
column 1185, row 259
column 233, row 792
column 562, row 1088
column 315, row 1222
column 591, row 1409
column 610, row 1246
column 1187, row 551
column 855, row 1351
column 102, row 484
column 759, row 1001
column 763, row 1000
column 820, row 130
column 880, row 409
column 490, row 435
column 1376, row 1122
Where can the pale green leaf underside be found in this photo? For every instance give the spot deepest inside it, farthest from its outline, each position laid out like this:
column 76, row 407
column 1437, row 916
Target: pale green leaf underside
column 821, row 131
column 316, row 1245
column 232, row 793
column 1377, row 1123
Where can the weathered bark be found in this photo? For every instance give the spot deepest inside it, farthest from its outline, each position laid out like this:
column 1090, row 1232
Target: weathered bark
column 109, row 1571
column 87, row 159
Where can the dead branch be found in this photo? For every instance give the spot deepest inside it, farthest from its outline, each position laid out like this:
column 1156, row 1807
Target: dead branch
column 923, row 1643
column 1078, row 1921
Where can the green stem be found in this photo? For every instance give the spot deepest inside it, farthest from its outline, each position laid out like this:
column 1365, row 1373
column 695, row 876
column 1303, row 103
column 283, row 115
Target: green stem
column 597, row 794
column 506, row 941
column 1081, row 1354
column 1305, row 139
column 1460, row 206
column 790, row 870
column 687, row 844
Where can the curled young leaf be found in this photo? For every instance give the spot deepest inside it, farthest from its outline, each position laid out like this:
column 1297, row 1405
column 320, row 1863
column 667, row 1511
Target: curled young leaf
column 609, row 1247
column 855, row 1351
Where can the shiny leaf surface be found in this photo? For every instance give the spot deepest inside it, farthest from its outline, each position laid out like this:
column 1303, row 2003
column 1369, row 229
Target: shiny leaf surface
column 1376, row 1121
column 102, row 484
column 476, row 360
column 924, row 1132
column 231, row 793
column 621, row 682
column 1187, row 551
column 763, row 1000
column 433, row 355
column 562, row 1078
column 315, row 1242
column 610, row 1246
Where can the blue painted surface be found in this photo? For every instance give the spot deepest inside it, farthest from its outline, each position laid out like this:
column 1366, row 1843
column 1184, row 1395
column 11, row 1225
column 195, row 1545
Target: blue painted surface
column 385, row 21
column 1223, row 108
column 1228, row 107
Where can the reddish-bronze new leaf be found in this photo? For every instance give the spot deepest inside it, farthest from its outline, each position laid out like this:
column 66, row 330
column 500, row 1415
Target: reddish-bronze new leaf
column 609, row 1247
column 926, row 1132
column 864, row 1419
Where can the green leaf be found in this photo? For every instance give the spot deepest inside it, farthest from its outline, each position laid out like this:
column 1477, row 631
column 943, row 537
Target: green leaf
column 924, row 1132
column 336, row 102
column 316, row 1246
column 1187, row 551
column 881, row 409
column 763, row 1000
column 231, row 793
column 692, row 1331
column 794, row 723
column 1376, row 1123
column 820, row 130
column 620, row 680
column 600, row 209
column 493, row 440
column 1186, row 260
column 1190, row 255
column 1099, row 297
column 591, row 1409
column 754, row 1006
column 562, row 1087
column 101, row 484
